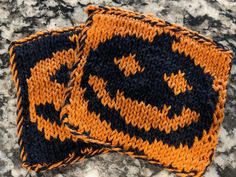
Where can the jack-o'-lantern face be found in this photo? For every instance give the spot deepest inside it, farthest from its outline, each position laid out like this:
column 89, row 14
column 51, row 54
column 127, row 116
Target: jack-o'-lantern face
column 146, row 87
column 156, row 93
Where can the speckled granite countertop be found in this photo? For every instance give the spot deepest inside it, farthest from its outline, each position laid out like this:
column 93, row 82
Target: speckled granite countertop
column 19, row 18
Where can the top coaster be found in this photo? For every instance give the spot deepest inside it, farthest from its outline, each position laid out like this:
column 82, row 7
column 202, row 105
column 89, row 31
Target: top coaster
column 40, row 67
column 151, row 88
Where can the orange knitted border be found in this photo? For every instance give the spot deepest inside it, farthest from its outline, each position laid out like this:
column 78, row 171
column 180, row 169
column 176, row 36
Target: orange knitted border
column 188, row 36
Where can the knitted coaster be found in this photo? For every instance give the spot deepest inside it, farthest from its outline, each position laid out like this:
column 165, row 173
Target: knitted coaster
column 151, row 88
column 40, row 67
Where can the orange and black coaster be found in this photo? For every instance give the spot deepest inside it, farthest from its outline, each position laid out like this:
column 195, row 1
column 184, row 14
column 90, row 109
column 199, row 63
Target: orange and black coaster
column 40, row 67
column 154, row 89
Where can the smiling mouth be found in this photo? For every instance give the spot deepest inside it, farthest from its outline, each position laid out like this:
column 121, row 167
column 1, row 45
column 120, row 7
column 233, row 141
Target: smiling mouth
column 141, row 115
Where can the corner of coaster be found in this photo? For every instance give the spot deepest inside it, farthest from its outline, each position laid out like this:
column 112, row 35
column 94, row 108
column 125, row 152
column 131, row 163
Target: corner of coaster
column 90, row 9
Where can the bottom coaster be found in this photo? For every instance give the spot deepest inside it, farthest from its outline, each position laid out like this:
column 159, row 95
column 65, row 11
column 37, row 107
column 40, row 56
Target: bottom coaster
column 40, row 67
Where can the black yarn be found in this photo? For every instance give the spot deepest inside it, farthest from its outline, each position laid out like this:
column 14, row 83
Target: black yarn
column 62, row 75
column 49, row 112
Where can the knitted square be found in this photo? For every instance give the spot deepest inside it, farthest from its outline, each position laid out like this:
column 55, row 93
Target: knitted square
column 40, row 67
column 154, row 89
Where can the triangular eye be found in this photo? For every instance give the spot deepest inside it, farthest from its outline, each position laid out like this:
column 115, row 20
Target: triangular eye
column 62, row 75
column 177, row 82
column 128, row 65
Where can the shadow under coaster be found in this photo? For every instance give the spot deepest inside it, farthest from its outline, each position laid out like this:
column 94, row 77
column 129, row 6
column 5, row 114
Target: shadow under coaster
column 40, row 67
column 154, row 89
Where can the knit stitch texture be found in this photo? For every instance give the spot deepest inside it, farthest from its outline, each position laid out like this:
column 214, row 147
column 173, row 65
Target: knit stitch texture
column 153, row 89
column 40, row 66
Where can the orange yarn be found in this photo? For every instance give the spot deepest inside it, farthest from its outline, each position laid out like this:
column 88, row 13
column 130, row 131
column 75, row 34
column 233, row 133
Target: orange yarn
column 177, row 82
column 128, row 65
